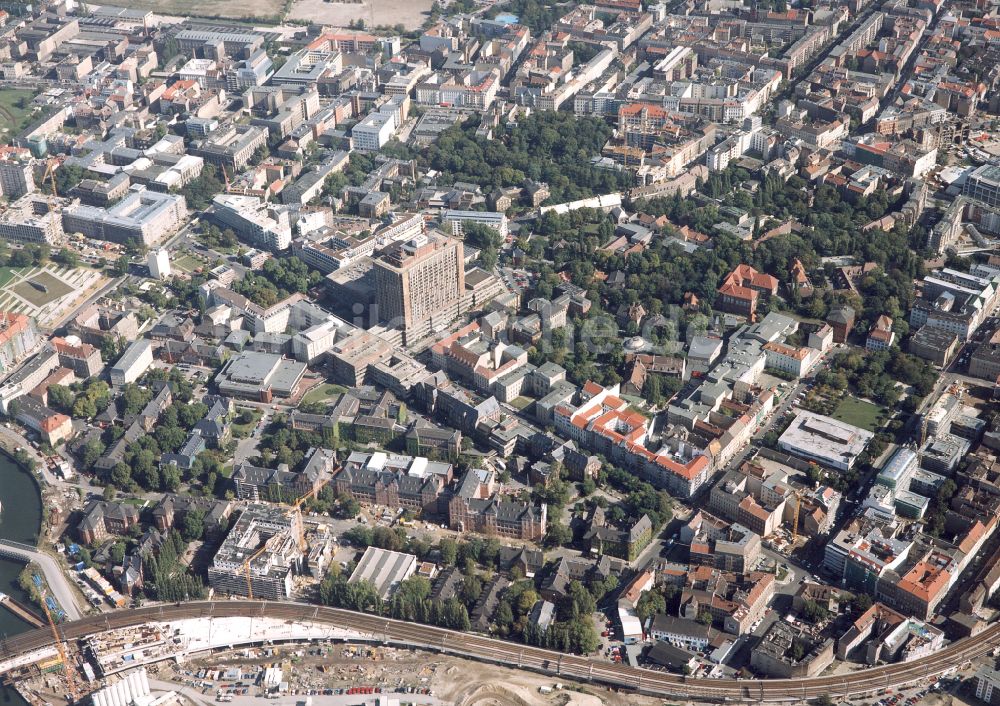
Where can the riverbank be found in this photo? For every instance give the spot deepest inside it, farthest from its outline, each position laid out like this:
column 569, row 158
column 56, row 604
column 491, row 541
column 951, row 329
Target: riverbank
column 20, row 521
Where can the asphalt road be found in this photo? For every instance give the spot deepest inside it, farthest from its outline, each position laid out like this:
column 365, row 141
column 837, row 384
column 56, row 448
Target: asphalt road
column 60, row 586
column 394, row 632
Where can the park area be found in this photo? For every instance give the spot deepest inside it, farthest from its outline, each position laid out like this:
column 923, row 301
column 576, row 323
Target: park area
column 188, row 263
column 844, row 407
column 247, row 419
column 15, row 110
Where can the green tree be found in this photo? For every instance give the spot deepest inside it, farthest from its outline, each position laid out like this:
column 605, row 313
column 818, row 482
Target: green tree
column 61, row 398
column 67, row 257
column 860, row 603
column 649, row 604
column 652, row 390
column 504, row 618
column 117, row 553
column 471, row 589
column 92, row 451
column 170, row 478
column 121, row 476
column 558, row 535
column 84, row 408
column 449, row 551
column 67, row 176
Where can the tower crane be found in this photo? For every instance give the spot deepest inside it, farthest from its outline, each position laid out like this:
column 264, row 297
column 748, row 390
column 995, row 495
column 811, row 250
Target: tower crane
column 297, row 508
column 795, row 520
column 246, row 564
column 59, row 643
column 50, row 175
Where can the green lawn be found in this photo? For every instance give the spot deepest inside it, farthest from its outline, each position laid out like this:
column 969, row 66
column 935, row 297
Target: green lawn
column 324, row 392
column 6, row 275
column 521, row 402
column 14, row 118
column 42, row 289
column 241, row 431
column 187, row 263
column 858, row 412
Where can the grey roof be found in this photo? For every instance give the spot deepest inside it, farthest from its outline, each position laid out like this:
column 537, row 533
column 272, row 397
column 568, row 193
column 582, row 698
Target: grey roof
column 841, row 314
column 384, row 569
column 542, row 614
column 668, row 655
column 132, row 354
column 689, row 628
column 406, row 485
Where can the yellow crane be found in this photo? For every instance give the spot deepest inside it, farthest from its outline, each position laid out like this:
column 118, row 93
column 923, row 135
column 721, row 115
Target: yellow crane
column 297, row 508
column 50, row 175
column 246, row 566
column 795, row 520
column 60, row 646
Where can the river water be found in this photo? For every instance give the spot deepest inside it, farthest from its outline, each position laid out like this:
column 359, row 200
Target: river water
column 20, row 520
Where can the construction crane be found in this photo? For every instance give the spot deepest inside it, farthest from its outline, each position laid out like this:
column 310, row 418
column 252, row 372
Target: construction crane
column 50, row 175
column 297, row 508
column 246, row 565
column 795, row 520
column 59, row 643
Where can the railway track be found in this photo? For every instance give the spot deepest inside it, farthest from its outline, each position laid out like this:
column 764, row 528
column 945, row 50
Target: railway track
column 510, row 654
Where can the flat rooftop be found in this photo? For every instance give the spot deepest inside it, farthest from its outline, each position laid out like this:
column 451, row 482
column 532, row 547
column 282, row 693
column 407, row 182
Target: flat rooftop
column 824, row 439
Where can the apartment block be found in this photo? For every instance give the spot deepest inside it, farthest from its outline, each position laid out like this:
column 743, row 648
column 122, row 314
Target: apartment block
column 18, row 338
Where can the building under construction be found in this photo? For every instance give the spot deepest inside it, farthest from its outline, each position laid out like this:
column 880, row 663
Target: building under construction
column 258, row 556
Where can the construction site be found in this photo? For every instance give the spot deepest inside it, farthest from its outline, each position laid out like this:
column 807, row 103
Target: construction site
column 266, row 549
column 328, row 674
column 188, row 662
